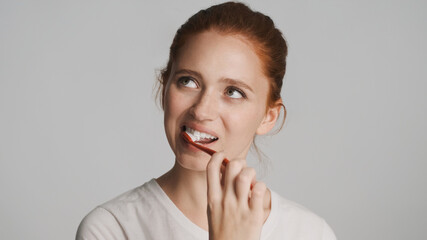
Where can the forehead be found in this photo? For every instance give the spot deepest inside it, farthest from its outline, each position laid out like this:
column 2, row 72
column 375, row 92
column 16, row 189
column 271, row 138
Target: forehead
column 217, row 55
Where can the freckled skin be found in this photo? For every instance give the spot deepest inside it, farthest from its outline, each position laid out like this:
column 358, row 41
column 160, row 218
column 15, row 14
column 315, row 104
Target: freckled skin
column 234, row 120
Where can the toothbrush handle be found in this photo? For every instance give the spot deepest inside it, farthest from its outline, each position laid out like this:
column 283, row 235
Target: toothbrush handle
column 209, row 151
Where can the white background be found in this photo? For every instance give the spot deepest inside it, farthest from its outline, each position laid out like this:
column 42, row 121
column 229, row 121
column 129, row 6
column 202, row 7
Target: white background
column 79, row 124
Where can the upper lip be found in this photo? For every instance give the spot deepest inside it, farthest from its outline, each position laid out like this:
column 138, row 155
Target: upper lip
column 199, row 128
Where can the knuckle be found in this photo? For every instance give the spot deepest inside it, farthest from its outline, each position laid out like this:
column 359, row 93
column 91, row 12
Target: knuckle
column 259, row 189
column 234, row 165
column 251, row 171
column 247, row 174
column 257, row 193
column 244, row 177
column 241, row 161
column 218, row 155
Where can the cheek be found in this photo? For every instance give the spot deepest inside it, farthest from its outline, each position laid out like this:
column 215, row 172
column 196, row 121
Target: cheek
column 172, row 109
column 173, row 105
column 175, row 108
column 243, row 124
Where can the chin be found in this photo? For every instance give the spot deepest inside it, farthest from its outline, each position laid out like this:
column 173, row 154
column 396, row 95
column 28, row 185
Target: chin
column 192, row 163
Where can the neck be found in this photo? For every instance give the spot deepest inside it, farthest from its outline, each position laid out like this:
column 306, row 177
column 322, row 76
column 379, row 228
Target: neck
column 188, row 191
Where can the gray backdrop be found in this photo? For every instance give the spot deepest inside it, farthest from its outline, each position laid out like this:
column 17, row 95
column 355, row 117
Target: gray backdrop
column 79, row 124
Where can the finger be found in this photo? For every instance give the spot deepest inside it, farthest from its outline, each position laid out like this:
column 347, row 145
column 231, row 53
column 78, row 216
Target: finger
column 232, row 169
column 224, row 163
column 257, row 196
column 213, row 177
column 243, row 184
column 223, row 166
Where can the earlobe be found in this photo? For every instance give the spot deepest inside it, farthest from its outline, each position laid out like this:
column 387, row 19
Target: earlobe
column 270, row 118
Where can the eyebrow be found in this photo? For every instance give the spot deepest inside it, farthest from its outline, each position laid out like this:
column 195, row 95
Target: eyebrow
column 230, row 81
column 186, row 71
column 237, row 83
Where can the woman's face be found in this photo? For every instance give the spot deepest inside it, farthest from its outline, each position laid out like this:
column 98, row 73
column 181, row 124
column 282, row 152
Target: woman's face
column 216, row 87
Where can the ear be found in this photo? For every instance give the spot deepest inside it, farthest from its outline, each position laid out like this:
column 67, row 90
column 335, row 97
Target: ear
column 270, row 118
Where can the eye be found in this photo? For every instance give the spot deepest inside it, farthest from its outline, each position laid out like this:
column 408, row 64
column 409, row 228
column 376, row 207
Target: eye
column 187, row 82
column 234, row 92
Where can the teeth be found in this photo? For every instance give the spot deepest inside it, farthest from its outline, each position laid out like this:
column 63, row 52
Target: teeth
column 196, row 135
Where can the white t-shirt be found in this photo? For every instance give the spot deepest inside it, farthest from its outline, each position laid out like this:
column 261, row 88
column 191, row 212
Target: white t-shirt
column 146, row 212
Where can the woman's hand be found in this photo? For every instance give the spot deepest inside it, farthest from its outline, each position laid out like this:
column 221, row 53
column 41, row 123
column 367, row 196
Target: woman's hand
column 234, row 210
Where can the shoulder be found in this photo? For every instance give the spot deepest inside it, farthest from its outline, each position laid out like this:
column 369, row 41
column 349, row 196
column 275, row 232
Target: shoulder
column 132, row 198
column 111, row 219
column 296, row 217
column 99, row 224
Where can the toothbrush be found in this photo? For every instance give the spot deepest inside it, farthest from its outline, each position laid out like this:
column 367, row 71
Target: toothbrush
column 203, row 148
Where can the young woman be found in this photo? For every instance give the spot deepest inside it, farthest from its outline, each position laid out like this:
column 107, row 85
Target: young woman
column 222, row 86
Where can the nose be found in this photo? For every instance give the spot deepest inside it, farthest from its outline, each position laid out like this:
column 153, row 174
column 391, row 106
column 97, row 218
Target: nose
column 205, row 107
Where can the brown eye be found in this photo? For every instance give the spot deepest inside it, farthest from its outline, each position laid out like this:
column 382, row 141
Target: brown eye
column 234, row 92
column 187, row 82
